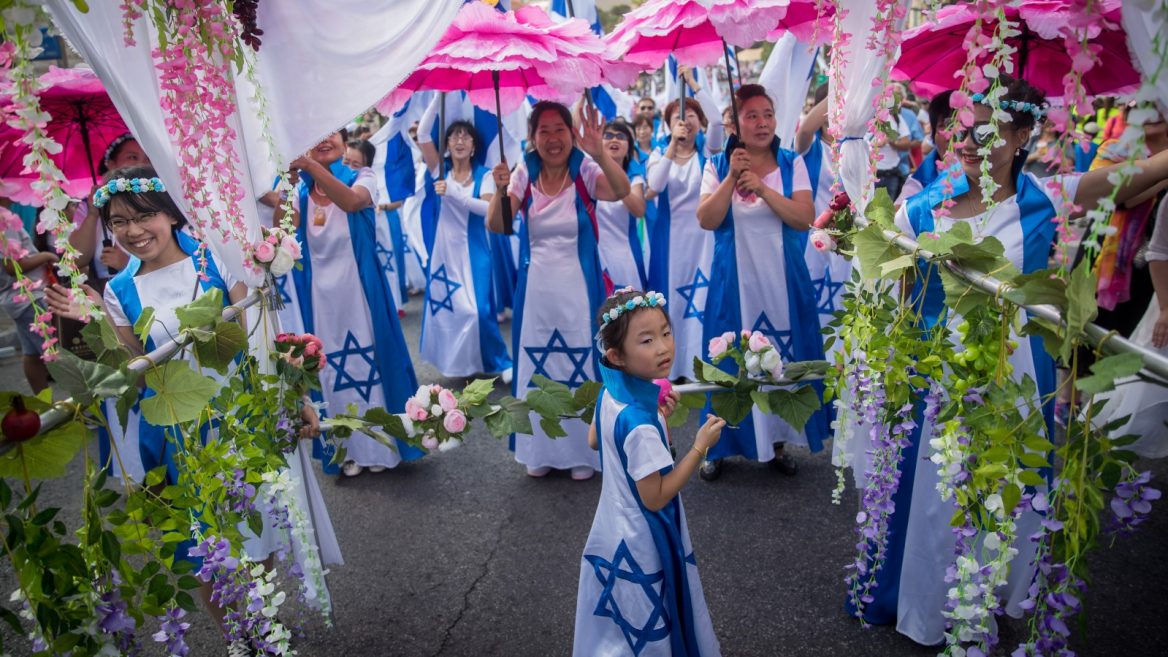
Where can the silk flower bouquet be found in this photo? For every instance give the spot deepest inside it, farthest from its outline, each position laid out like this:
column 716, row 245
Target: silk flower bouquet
column 276, row 255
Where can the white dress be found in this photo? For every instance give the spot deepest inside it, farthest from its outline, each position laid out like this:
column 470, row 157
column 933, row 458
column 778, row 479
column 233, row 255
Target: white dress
column 682, row 252
column 640, row 592
column 621, row 252
column 553, row 318
column 343, row 323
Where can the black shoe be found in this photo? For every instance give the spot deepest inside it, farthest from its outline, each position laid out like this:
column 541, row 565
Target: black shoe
column 710, row 470
column 785, row 463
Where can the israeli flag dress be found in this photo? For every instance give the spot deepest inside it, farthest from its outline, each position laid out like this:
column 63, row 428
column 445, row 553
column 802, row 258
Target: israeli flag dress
column 346, row 301
column 911, row 589
column 681, row 253
column 760, row 283
column 559, row 293
column 622, row 255
column 289, row 315
column 640, row 593
column 828, row 271
column 460, row 334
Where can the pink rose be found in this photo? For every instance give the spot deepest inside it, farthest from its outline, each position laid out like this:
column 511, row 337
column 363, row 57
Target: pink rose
column 745, row 334
column 283, row 337
column 665, row 388
column 729, row 337
column 292, row 247
column 718, row 347
column 311, row 349
column 273, row 240
column 265, row 252
column 824, row 219
column 454, row 422
column 416, row 411
column 758, row 342
column 822, row 241
column 447, row 401
column 430, row 442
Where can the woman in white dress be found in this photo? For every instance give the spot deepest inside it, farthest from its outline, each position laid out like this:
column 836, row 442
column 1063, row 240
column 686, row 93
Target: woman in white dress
column 622, row 255
column 561, row 284
column 757, row 202
column 460, row 331
column 680, row 251
column 911, row 589
column 345, row 300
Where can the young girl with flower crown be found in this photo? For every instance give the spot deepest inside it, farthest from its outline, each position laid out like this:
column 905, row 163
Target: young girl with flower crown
column 640, row 593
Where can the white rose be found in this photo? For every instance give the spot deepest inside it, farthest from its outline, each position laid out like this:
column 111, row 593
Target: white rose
column 408, row 424
column 447, row 445
column 436, row 410
column 753, row 363
column 282, row 264
column 770, row 360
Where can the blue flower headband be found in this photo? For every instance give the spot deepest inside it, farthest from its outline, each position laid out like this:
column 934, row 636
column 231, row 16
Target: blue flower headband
column 135, row 185
column 647, row 300
column 1013, row 105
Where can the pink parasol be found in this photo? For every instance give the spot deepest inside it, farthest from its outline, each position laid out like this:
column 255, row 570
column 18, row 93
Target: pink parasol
column 742, row 23
column 933, row 55
column 809, row 20
column 83, row 121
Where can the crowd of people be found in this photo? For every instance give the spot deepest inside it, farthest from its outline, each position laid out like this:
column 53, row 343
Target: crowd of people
column 690, row 222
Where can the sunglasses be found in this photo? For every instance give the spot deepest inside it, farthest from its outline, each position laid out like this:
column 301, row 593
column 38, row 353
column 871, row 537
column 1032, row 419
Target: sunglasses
column 981, row 133
column 616, row 135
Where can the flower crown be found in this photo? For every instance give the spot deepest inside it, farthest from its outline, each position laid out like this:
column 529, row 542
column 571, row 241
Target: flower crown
column 135, row 185
column 647, row 300
column 1013, row 105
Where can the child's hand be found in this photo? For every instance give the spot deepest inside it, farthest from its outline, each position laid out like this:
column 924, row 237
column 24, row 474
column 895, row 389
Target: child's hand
column 669, row 404
column 709, row 434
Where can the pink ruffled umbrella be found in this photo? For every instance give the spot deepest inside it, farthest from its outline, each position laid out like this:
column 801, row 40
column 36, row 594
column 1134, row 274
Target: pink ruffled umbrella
column 83, row 121
column 500, row 58
column 933, row 55
column 809, row 20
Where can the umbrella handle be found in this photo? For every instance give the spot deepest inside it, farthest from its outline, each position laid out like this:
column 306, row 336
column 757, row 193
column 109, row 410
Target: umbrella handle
column 106, row 243
column 508, row 216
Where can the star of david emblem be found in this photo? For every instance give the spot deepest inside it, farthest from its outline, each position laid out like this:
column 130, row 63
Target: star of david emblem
column 282, row 286
column 578, row 356
column 689, row 293
column 623, row 568
column 346, row 379
column 447, row 301
column 825, row 291
column 385, row 256
column 783, row 340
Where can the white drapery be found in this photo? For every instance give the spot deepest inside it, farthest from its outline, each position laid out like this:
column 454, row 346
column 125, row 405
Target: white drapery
column 786, row 77
column 1143, row 21
column 322, row 62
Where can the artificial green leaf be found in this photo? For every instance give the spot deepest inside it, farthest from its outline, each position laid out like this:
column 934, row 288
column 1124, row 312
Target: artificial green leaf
column 960, row 294
column 551, row 427
column 679, row 417
column 585, row 399
column 891, row 268
column 47, row 455
column 511, row 417
column 550, row 398
column 126, row 402
column 1106, row 371
column 205, row 311
column 1081, row 305
column 1032, row 460
column 881, row 210
column 476, row 392
column 220, row 349
column 984, row 256
column 795, row 407
column 103, row 341
column 762, row 401
column 144, row 323
column 86, row 381
column 731, row 406
column 391, row 423
column 873, row 249
column 1052, row 339
column 806, row 369
column 1031, row 478
column 1011, row 495
column 692, row 400
column 1038, row 288
column 708, row 373
column 180, row 394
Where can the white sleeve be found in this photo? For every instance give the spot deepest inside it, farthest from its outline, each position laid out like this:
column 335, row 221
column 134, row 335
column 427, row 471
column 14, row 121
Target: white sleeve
column 902, row 128
column 911, row 188
column 657, row 175
column 591, row 172
column 488, row 184
column 714, row 136
column 518, row 181
column 800, row 179
column 645, row 452
column 426, row 124
column 229, row 281
column 113, row 307
column 710, row 180
column 903, row 223
column 1158, row 245
column 367, row 179
column 636, row 180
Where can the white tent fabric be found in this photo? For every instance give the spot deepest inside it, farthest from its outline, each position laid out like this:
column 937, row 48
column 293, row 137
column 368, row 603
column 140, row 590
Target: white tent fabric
column 786, row 76
column 1144, row 21
column 322, row 62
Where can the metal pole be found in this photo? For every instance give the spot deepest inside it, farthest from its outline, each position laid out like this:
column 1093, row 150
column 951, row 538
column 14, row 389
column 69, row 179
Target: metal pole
column 1153, row 362
column 442, row 136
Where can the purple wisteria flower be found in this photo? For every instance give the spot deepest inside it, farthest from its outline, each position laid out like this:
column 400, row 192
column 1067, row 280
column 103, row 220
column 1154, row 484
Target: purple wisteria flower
column 216, row 554
column 173, row 632
column 113, row 618
column 1132, row 503
column 239, row 492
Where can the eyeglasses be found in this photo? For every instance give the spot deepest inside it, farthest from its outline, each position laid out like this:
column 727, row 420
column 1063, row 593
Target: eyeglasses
column 981, row 134
column 646, row 108
column 118, row 224
column 616, row 135
column 460, row 137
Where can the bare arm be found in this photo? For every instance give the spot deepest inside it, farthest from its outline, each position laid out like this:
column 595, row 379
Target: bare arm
column 348, row 199
column 798, row 212
column 656, row 490
column 30, row 262
column 502, row 176
column 1094, row 185
column 84, row 238
column 815, row 120
column 635, row 201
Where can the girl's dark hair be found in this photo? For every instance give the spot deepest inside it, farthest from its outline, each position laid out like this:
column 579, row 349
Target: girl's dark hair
column 1021, row 91
column 612, row 335
column 367, row 150
column 468, row 128
column 750, row 91
column 691, row 105
column 622, row 126
column 113, row 150
column 141, row 202
column 940, row 111
column 538, row 111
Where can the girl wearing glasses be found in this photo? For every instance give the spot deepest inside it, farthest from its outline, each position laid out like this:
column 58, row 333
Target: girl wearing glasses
column 460, row 331
column 911, row 587
column 621, row 253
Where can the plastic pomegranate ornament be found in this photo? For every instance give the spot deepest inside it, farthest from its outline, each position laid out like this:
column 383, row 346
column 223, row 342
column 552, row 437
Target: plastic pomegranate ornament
column 20, row 424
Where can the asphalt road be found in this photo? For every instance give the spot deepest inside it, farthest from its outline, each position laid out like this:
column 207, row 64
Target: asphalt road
column 463, row 554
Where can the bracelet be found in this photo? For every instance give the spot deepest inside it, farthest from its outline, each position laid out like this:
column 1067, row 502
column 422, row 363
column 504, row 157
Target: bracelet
column 703, row 453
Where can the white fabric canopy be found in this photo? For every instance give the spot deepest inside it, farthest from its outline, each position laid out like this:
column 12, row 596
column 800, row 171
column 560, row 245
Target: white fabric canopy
column 786, row 76
column 322, row 62
column 1144, row 21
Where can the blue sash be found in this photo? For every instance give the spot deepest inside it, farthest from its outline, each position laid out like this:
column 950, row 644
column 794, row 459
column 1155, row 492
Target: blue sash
column 927, row 172
column 389, row 345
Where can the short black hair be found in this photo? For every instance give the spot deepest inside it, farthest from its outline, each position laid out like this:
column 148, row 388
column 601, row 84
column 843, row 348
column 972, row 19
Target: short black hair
column 940, row 111
column 612, row 335
column 142, row 202
column 467, row 127
column 622, row 126
column 548, row 106
column 368, row 151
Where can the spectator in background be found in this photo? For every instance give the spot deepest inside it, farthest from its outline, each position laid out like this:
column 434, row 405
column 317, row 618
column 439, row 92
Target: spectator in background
column 1043, row 161
column 728, row 121
column 909, row 157
column 33, row 265
column 1085, row 153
